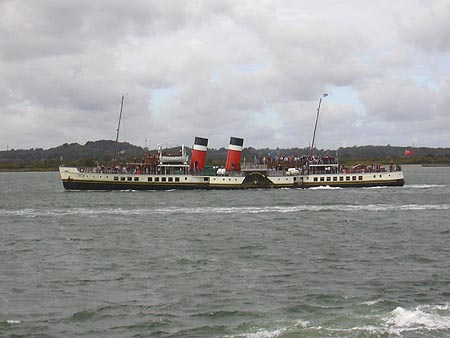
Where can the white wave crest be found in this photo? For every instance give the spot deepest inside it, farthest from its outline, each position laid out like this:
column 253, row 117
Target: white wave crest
column 426, row 317
column 90, row 212
column 265, row 333
column 372, row 302
column 11, row 321
column 325, row 187
column 374, row 188
column 424, row 186
column 259, row 334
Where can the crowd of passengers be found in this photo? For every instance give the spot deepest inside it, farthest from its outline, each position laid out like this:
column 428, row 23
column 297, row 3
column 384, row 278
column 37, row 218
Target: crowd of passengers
column 305, row 165
column 133, row 169
column 295, row 160
column 318, row 165
column 136, row 169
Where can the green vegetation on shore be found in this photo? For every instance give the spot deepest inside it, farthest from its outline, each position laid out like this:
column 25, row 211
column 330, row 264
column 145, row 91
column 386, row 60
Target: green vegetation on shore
column 100, row 152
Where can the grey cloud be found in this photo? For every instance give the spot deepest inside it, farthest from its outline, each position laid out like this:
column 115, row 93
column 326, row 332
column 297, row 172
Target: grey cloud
column 427, row 25
column 235, row 66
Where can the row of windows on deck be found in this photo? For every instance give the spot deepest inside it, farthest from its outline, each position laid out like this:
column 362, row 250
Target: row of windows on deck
column 340, row 178
column 151, row 179
column 335, row 178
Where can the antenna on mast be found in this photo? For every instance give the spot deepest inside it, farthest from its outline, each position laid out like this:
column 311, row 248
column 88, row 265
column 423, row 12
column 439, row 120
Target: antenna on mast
column 117, row 135
column 315, row 126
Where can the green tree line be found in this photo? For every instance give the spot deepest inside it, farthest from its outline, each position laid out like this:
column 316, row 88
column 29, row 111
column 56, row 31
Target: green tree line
column 101, row 152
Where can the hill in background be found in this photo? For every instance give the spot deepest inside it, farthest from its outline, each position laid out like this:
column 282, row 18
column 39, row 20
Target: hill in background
column 94, row 152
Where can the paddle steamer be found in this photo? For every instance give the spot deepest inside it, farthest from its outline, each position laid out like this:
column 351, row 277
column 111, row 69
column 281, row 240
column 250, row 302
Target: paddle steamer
column 165, row 171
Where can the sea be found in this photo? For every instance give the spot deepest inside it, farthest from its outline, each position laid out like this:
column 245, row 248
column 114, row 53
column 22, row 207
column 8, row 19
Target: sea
column 353, row 262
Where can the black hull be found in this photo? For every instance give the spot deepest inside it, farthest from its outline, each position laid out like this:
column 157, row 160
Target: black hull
column 109, row 186
column 73, row 185
column 393, row 183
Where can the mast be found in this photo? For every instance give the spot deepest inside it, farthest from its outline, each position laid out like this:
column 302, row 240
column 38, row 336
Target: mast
column 315, row 126
column 117, row 135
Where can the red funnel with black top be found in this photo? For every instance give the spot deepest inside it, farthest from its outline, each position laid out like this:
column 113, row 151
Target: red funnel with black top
column 199, row 153
column 234, row 154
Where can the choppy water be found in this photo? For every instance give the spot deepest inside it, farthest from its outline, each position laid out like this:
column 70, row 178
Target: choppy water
column 259, row 263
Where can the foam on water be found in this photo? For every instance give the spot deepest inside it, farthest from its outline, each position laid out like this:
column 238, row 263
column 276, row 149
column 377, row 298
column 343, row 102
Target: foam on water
column 423, row 317
column 372, row 302
column 268, row 333
column 258, row 334
column 424, row 186
column 223, row 210
column 265, row 334
column 370, row 329
column 325, row 187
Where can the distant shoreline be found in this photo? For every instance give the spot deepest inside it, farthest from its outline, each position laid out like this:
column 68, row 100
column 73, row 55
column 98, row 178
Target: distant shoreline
column 29, row 170
column 425, row 165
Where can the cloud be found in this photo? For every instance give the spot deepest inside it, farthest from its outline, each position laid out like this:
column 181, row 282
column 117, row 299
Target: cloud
column 252, row 69
column 427, row 26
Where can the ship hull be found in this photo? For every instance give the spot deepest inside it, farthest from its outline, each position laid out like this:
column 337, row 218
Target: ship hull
column 74, row 179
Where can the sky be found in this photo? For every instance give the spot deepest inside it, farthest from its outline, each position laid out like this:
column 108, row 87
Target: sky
column 254, row 69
